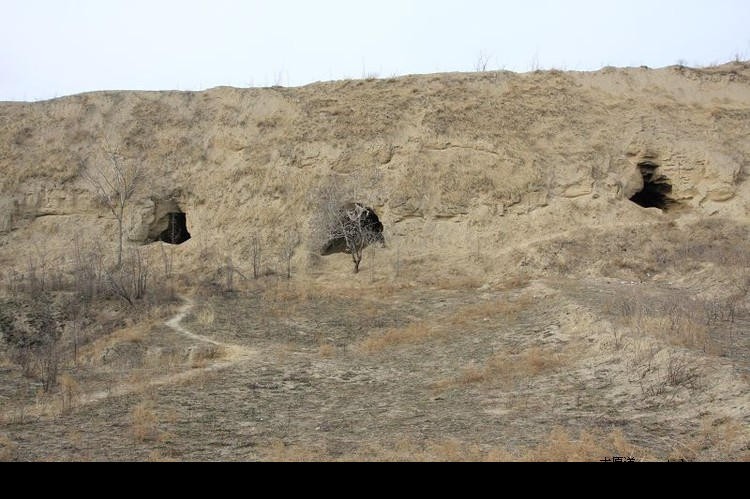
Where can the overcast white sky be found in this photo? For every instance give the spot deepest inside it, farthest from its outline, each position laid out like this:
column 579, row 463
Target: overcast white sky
column 51, row 48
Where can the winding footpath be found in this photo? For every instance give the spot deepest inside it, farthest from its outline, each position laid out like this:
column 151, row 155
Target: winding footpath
column 230, row 355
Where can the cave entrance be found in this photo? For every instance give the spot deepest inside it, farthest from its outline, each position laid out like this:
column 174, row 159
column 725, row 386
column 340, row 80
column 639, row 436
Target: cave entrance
column 176, row 231
column 656, row 189
column 358, row 225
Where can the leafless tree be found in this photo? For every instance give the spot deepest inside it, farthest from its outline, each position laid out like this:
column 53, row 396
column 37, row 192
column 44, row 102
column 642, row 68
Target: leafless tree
column 348, row 228
column 130, row 281
column 256, row 247
column 290, row 245
column 113, row 185
column 483, row 60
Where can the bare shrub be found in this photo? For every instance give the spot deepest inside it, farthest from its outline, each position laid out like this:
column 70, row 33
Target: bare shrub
column 129, row 280
column 676, row 318
column 32, row 332
column 88, row 270
column 681, row 372
column 483, row 60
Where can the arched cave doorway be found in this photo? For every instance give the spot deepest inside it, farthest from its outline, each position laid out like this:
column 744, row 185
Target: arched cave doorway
column 168, row 225
column 656, row 189
column 358, row 224
column 176, row 231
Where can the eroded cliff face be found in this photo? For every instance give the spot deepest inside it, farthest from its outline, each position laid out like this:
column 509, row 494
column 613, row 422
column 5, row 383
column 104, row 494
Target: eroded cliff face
column 454, row 164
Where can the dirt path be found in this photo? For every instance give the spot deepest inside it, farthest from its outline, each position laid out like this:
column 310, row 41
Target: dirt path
column 228, row 355
column 234, row 353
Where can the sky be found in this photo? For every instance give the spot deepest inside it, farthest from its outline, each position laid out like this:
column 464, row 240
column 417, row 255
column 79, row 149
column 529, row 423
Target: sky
column 53, row 48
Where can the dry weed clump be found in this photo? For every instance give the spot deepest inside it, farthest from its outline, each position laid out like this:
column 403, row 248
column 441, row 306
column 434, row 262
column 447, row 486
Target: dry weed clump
column 70, row 392
column 200, row 357
column 675, row 318
column 663, row 373
column 206, row 316
column 508, row 369
column 411, row 334
column 145, row 423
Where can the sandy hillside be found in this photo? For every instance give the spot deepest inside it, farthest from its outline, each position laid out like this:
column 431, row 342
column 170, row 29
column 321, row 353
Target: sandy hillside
column 520, row 191
column 446, row 159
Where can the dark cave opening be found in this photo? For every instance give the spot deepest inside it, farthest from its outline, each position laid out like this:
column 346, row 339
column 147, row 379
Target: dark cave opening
column 368, row 230
column 176, row 231
column 656, row 189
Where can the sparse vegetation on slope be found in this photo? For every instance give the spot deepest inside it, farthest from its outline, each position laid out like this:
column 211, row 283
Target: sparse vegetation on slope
column 524, row 308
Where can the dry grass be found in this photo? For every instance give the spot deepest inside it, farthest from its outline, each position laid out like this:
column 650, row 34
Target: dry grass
column 136, row 334
column 5, row 362
column 558, row 446
column 503, row 311
column 7, row 449
column 327, row 351
column 70, row 392
column 588, row 447
column 206, row 316
column 157, row 457
column 172, row 361
column 715, row 437
column 727, row 436
column 201, row 356
column 139, row 381
column 453, row 282
column 508, row 369
column 145, row 423
column 494, row 311
column 278, row 452
column 397, row 337
column 673, row 318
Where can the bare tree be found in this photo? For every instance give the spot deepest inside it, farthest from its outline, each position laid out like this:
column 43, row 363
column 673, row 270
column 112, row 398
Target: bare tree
column 256, row 246
column 290, row 245
column 483, row 60
column 130, row 281
column 349, row 228
column 114, row 185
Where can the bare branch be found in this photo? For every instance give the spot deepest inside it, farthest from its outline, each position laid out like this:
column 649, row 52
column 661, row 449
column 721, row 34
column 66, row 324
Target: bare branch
column 346, row 226
column 113, row 186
